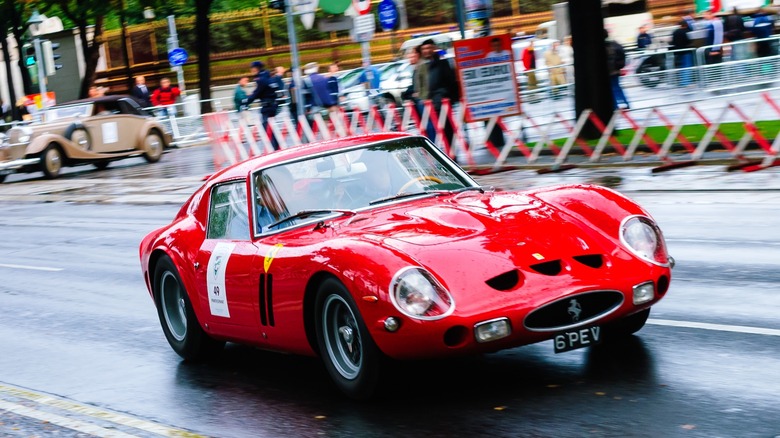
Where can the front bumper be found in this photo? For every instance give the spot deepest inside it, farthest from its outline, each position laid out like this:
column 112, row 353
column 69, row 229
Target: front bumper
column 8, row 167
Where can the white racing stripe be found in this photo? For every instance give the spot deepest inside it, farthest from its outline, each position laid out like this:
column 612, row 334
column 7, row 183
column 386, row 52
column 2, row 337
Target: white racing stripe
column 716, row 327
column 32, row 268
column 77, row 425
column 84, row 410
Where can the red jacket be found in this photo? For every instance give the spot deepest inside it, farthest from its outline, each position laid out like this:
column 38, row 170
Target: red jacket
column 165, row 96
column 529, row 58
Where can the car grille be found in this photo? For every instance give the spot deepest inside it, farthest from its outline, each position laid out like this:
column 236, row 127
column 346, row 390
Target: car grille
column 573, row 311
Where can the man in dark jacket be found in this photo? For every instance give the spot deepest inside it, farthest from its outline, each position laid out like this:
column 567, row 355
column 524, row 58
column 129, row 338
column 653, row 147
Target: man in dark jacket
column 141, row 92
column 616, row 60
column 441, row 82
column 265, row 92
column 683, row 54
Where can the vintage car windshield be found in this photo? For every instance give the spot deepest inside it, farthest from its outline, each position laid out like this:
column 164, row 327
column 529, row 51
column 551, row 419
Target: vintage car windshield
column 353, row 179
column 65, row 112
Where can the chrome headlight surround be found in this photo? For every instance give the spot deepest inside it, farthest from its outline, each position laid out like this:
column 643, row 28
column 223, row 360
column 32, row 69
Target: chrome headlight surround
column 640, row 235
column 417, row 294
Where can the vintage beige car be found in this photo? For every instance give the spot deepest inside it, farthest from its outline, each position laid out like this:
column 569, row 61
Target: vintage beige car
column 97, row 130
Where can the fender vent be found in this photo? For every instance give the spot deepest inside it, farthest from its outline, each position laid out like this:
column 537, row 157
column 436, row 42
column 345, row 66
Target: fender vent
column 507, row 280
column 592, row 260
column 552, row 267
column 266, row 299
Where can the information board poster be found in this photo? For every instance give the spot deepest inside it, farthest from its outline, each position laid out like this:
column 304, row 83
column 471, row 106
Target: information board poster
column 486, row 69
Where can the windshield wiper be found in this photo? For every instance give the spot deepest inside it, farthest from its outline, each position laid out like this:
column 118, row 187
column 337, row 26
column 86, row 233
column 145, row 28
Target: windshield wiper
column 308, row 213
column 480, row 189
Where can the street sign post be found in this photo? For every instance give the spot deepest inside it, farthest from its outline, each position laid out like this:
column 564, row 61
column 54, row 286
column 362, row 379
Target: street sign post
column 177, row 56
column 364, row 28
column 388, row 15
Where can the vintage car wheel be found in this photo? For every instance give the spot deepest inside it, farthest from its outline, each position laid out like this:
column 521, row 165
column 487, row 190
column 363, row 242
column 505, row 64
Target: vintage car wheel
column 153, row 147
column 628, row 325
column 51, row 161
column 79, row 135
column 101, row 165
column 2, row 178
column 350, row 355
column 177, row 317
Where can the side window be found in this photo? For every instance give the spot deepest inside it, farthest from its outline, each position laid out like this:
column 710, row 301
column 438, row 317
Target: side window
column 228, row 218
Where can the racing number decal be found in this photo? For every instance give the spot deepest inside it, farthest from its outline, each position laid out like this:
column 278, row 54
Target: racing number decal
column 215, row 279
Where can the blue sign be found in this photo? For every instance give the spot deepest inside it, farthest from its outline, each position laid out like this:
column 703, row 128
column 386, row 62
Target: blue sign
column 177, row 56
column 388, row 14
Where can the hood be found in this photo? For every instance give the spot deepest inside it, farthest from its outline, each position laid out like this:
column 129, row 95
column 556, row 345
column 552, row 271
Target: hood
column 495, row 232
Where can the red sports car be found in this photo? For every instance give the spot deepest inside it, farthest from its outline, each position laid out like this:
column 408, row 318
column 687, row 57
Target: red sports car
column 377, row 246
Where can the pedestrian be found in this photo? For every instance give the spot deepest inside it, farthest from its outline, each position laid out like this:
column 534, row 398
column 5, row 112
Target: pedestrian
column 688, row 17
column 553, row 61
column 239, row 94
column 567, row 58
column 371, row 78
column 141, row 92
column 616, row 60
column 165, row 96
column 762, row 29
column 333, row 85
column 643, row 40
column 442, row 83
column 96, row 91
column 265, row 92
column 316, row 86
column 713, row 53
column 683, row 55
column 529, row 65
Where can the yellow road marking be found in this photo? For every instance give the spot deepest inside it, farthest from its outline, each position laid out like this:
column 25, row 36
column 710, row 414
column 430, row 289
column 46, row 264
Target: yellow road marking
column 86, row 410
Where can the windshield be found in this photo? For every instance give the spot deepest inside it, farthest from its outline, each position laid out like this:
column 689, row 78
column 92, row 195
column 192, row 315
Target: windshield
column 64, row 112
column 355, row 179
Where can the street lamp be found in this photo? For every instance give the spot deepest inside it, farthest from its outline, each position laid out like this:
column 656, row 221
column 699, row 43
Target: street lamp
column 149, row 13
column 34, row 24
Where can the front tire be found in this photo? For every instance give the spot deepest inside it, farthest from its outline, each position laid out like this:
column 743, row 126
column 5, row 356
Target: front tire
column 177, row 317
column 52, row 161
column 153, row 147
column 347, row 350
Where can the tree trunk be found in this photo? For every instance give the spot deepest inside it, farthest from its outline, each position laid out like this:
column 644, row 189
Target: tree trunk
column 91, row 52
column 203, row 43
column 592, row 88
column 11, row 91
column 26, row 81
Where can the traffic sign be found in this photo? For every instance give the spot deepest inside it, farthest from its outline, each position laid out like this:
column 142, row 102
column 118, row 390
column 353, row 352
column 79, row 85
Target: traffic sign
column 388, row 15
column 177, row 56
column 364, row 28
column 362, row 7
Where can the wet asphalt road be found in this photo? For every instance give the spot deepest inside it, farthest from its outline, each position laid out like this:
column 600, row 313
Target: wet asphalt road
column 77, row 323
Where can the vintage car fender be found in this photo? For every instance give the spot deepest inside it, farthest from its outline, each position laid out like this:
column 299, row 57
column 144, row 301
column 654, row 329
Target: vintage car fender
column 148, row 126
column 70, row 149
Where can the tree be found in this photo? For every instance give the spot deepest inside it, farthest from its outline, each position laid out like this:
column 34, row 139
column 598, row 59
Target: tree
column 13, row 13
column 88, row 16
column 203, row 47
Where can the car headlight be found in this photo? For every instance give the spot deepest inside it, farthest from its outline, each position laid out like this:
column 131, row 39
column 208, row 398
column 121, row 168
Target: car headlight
column 25, row 134
column 416, row 293
column 643, row 237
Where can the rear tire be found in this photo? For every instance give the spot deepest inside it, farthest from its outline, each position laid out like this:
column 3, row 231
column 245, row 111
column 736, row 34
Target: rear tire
column 52, row 161
column 345, row 345
column 101, row 165
column 177, row 317
column 2, row 178
column 153, row 147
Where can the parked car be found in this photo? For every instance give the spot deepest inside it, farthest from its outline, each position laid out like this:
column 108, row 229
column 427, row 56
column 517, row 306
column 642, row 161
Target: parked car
column 376, row 246
column 97, row 130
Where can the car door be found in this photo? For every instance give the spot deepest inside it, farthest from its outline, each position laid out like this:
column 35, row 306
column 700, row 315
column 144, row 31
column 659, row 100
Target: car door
column 114, row 130
column 227, row 287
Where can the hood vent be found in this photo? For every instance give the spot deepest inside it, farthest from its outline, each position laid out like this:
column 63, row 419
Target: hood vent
column 592, row 260
column 551, row 268
column 506, row 281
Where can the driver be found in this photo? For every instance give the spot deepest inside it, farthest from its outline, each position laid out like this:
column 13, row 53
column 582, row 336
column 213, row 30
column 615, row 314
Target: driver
column 270, row 187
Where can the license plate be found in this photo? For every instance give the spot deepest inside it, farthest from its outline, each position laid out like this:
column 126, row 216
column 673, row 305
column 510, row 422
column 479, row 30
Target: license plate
column 577, row 339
